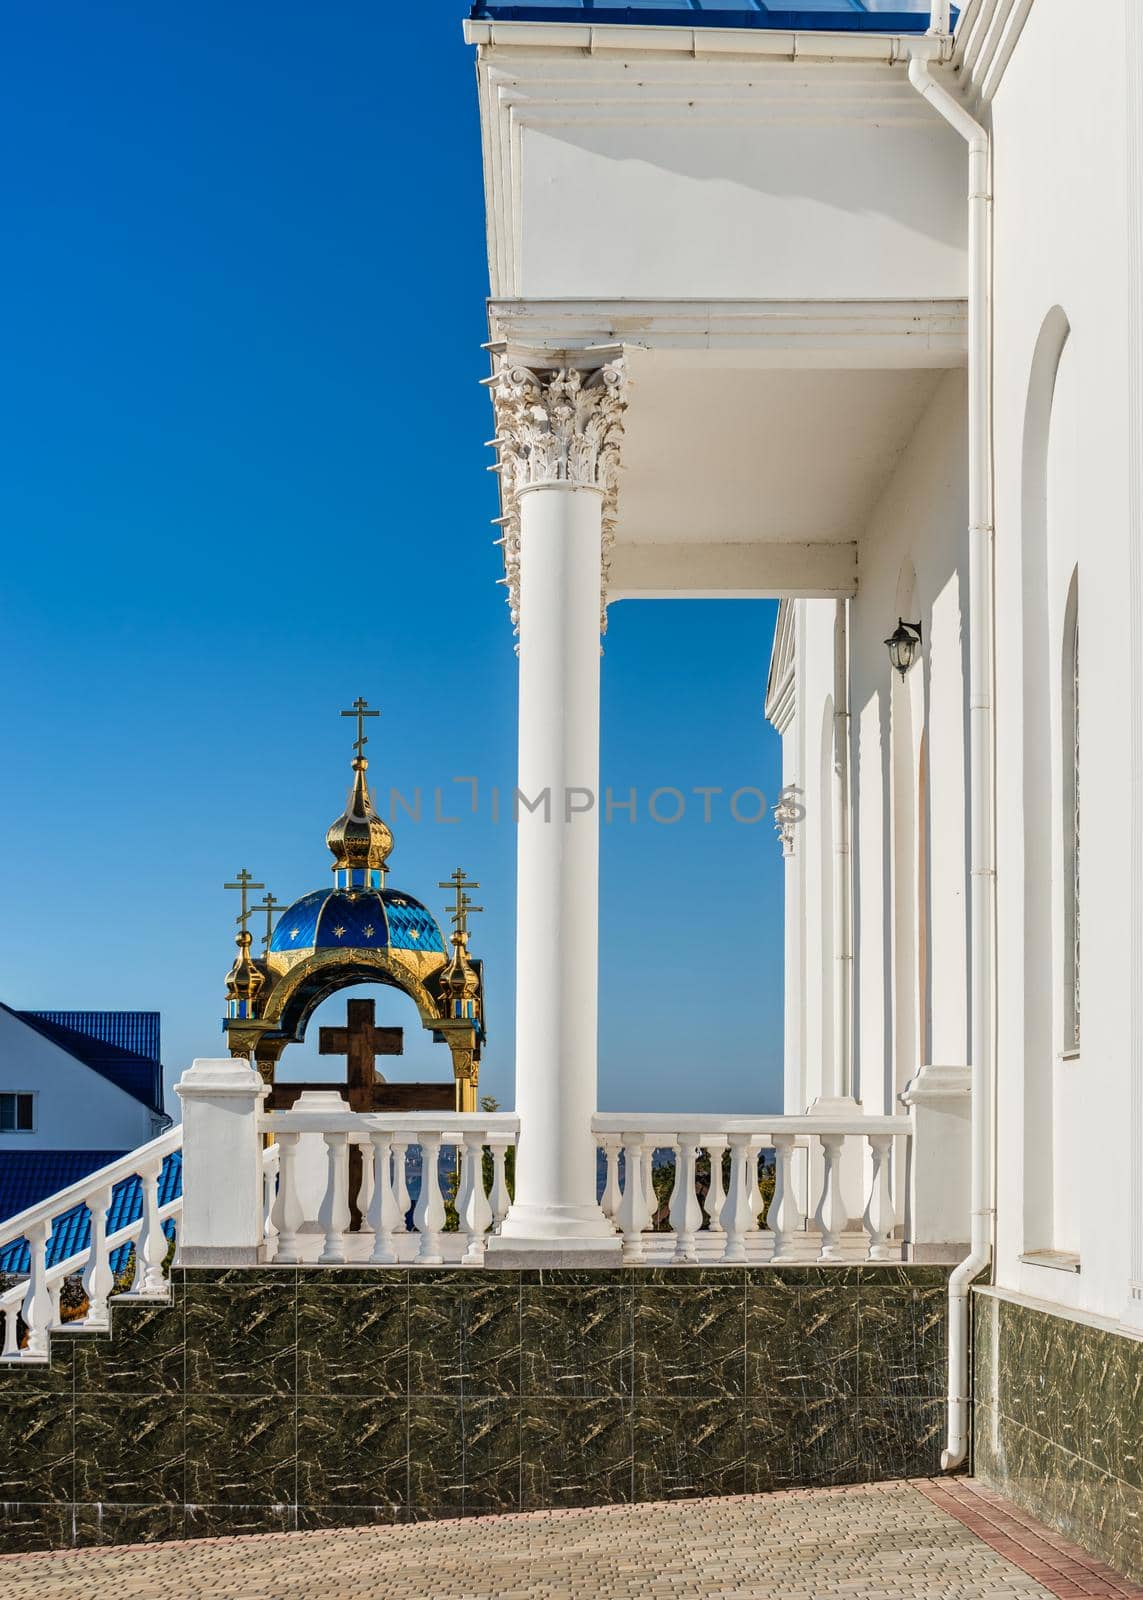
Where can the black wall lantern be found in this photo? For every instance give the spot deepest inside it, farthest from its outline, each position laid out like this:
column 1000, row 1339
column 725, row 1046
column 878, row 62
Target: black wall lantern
column 903, row 644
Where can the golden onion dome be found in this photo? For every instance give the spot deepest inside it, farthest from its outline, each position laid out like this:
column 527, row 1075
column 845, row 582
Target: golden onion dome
column 244, row 981
column 359, row 840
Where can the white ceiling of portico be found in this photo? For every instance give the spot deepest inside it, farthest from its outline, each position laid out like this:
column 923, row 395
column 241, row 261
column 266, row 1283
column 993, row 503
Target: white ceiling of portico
column 732, row 456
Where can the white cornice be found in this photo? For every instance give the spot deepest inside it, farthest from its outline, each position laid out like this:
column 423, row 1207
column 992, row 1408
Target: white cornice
column 834, row 334
column 778, row 44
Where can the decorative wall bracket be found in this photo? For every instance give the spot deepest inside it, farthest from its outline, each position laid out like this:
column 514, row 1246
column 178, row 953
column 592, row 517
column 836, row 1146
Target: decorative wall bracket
column 787, row 814
column 556, row 425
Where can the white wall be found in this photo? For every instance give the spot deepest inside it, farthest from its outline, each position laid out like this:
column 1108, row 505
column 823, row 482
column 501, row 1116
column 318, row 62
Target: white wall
column 1064, row 1136
column 908, row 839
column 910, row 911
column 76, row 1109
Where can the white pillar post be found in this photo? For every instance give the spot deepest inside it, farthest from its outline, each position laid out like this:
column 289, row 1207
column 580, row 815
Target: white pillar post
column 939, row 1100
column 222, row 1221
column 558, row 437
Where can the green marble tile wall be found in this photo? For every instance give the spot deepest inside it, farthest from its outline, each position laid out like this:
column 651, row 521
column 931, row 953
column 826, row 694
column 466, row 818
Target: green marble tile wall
column 1058, row 1424
column 297, row 1398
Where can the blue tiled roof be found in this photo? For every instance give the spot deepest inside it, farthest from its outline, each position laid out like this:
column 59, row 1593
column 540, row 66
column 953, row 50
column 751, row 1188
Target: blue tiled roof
column 877, row 16
column 122, row 1046
column 46, row 1171
column 330, row 919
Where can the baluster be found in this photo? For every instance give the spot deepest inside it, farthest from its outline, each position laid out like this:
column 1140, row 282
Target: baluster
column 385, row 1215
column 647, row 1179
column 55, row 1290
column 878, row 1217
column 98, row 1278
column 151, row 1244
column 401, row 1182
column 11, row 1313
column 270, row 1161
column 609, row 1204
column 499, row 1199
column 476, row 1213
column 37, row 1307
column 288, row 1216
column 783, row 1217
column 632, row 1214
column 830, row 1215
column 334, row 1213
column 686, row 1213
column 736, row 1217
column 429, row 1217
column 716, row 1195
column 753, row 1190
column 365, row 1187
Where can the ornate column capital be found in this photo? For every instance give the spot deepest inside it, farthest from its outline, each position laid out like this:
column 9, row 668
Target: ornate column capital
column 556, row 425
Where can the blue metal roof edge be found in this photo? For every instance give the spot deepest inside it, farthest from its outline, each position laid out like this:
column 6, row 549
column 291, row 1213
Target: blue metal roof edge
column 725, row 17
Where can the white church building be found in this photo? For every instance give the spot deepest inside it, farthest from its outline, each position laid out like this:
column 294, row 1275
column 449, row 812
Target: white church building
column 839, row 304
column 862, row 311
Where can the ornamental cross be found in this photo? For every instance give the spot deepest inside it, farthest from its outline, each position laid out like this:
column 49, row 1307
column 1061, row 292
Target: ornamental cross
column 459, row 883
column 244, row 883
column 360, row 710
column 270, row 905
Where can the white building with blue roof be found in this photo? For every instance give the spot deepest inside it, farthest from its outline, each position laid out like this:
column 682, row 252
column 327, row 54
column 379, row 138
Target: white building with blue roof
column 77, row 1089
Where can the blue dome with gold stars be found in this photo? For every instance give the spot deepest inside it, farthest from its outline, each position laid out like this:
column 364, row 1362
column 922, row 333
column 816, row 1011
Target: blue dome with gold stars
column 360, row 919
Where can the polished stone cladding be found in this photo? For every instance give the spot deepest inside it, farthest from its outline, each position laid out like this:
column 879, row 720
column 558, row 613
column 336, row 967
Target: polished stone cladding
column 1058, row 1423
column 293, row 1397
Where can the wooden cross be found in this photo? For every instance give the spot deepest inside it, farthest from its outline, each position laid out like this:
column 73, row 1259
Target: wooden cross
column 271, row 906
column 361, row 1042
column 245, row 883
column 360, row 710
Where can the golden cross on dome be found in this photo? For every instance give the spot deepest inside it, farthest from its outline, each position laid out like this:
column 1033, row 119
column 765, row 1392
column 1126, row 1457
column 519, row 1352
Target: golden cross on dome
column 459, row 883
column 245, row 883
column 360, row 710
column 270, row 905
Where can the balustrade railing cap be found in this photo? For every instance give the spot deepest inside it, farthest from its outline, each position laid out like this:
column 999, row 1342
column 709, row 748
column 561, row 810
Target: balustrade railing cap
column 639, row 1123
column 228, row 1076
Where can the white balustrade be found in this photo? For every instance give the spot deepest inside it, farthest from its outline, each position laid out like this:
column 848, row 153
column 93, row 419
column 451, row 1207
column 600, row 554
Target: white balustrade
column 735, row 1231
column 448, row 1144
column 33, row 1302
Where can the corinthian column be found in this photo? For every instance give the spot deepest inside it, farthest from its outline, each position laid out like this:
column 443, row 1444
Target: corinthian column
column 558, row 435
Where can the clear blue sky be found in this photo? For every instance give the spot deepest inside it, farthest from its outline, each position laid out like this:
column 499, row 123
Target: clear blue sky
column 243, row 276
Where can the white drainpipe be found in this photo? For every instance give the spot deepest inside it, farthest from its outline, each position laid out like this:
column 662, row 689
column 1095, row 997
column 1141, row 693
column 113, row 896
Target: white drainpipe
column 982, row 859
column 842, row 913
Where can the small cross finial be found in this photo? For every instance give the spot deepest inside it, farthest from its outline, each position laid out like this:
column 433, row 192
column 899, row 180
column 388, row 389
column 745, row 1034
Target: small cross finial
column 360, row 710
column 244, row 882
column 462, row 907
column 270, row 905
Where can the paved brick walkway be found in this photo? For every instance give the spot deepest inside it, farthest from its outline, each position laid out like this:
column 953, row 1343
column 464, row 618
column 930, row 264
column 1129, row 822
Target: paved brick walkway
column 896, row 1541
